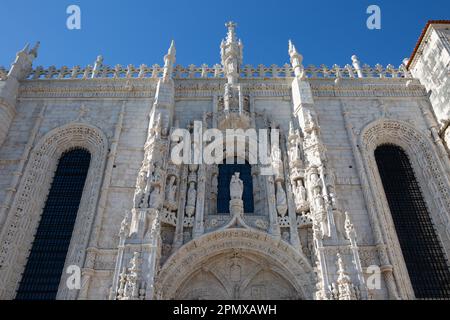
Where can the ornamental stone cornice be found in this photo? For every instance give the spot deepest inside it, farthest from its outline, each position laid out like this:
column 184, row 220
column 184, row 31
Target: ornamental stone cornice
column 201, row 88
column 94, row 88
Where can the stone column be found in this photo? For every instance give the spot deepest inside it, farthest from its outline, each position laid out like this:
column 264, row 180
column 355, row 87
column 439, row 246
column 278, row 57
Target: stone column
column 178, row 239
column 140, row 248
column 9, row 87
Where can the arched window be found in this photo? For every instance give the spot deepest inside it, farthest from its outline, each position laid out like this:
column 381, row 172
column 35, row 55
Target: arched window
column 424, row 257
column 226, row 171
column 45, row 264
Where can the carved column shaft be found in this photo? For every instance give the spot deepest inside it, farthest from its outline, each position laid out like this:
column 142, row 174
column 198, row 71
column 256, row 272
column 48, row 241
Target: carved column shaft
column 178, row 239
column 365, row 183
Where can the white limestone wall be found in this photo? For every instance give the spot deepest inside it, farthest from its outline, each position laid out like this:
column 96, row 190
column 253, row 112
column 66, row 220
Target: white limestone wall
column 38, row 114
column 432, row 68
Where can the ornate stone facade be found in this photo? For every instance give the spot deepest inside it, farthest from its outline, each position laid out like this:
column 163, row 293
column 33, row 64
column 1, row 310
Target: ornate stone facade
column 149, row 228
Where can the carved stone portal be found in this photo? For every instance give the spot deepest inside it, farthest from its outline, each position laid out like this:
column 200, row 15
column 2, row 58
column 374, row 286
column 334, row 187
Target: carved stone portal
column 232, row 275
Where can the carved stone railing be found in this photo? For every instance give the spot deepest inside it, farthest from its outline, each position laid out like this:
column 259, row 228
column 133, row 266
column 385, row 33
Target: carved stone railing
column 216, row 71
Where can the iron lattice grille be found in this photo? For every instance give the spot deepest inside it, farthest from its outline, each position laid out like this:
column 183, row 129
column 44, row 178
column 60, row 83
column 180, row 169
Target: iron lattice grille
column 424, row 257
column 45, row 264
column 226, row 171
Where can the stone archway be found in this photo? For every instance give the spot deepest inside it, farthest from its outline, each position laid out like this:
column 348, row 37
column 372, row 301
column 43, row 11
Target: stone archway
column 236, row 264
column 431, row 174
column 23, row 217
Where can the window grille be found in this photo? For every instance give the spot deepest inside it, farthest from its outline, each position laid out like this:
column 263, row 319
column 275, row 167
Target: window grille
column 45, row 264
column 424, row 257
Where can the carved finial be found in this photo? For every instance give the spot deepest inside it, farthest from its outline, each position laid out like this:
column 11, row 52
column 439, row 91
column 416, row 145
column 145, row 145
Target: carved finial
column 23, row 62
column 357, row 66
column 292, row 49
column 26, row 48
column 99, row 60
column 169, row 62
column 296, row 61
column 172, row 50
column 34, row 51
column 231, row 51
column 231, row 35
column 97, row 66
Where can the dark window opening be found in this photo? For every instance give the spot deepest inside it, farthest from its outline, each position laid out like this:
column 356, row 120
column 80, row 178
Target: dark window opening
column 45, row 264
column 424, row 257
column 226, row 171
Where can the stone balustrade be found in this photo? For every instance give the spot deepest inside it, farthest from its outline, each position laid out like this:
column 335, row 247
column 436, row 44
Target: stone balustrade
column 216, row 71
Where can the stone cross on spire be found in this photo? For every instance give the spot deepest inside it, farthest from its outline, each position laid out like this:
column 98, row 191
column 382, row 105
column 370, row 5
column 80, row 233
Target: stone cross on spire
column 231, row 36
column 231, row 53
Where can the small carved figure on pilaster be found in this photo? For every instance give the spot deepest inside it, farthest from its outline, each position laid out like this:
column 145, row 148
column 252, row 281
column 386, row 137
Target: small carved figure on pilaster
column 139, row 194
column 345, row 286
column 349, row 229
column 191, row 199
column 300, row 197
column 125, row 226
column 281, row 200
column 155, row 198
column 171, row 191
column 131, row 289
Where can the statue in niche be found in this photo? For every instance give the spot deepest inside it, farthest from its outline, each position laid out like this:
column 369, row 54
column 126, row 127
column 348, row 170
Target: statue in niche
column 236, row 187
column 300, row 197
column 315, row 181
column 191, row 199
column 281, row 200
column 277, row 162
column 330, row 183
column 171, row 190
column 140, row 190
column 156, row 175
column 155, row 198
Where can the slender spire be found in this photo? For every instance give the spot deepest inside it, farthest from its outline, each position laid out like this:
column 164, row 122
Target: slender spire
column 23, row 62
column 169, row 62
column 231, row 53
column 231, row 35
column 296, row 61
column 34, row 51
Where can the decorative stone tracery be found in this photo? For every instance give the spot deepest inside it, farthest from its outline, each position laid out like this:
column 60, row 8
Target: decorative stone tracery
column 432, row 178
column 292, row 264
column 24, row 215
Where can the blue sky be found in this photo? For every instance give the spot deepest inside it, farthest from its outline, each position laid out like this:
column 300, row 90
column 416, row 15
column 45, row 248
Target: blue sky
column 139, row 31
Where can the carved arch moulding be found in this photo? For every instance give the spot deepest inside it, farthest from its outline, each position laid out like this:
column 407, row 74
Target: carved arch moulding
column 23, row 218
column 431, row 175
column 288, row 263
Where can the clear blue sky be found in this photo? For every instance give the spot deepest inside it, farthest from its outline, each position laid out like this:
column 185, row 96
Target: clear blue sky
column 139, row 31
